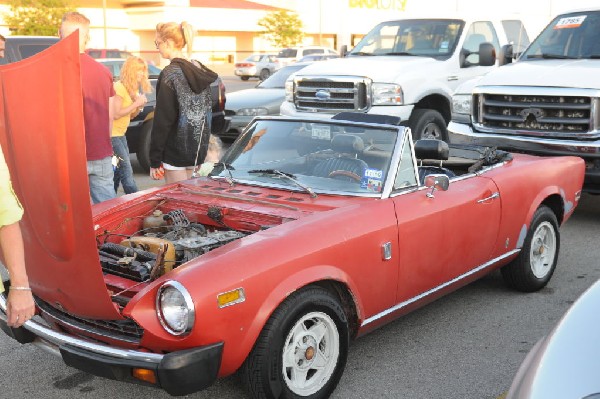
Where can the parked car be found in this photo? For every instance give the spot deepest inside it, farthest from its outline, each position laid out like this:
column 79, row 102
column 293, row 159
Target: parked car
column 257, row 66
column 307, row 234
column 264, row 99
column 564, row 364
column 293, row 54
column 107, row 53
column 318, row 57
column 138, row 132
column 21, row 47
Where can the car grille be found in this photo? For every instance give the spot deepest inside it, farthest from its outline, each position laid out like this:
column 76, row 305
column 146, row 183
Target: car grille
column 122, row 330
column 560, row 115
column 331, row 95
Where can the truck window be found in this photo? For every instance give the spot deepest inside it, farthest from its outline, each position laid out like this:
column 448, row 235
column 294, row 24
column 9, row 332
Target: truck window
column 479, row 32
column 516, row 35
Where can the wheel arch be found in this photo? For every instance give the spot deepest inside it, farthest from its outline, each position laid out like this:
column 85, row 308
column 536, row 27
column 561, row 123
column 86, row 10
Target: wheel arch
column 436, row 102
column 557, row 205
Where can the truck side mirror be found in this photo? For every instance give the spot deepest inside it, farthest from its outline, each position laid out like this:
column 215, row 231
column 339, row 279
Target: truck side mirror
column 506, row 54
column 343, row 50
column 487, row 54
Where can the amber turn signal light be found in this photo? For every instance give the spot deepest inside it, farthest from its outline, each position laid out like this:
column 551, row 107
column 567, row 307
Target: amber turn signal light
column 145, row 375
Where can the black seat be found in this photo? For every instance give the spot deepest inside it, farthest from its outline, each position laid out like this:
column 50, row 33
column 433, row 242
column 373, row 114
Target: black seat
column 345, row 166
column 432, row 150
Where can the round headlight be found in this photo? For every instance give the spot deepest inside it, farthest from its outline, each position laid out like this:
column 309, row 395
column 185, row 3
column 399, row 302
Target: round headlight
column 175, row 308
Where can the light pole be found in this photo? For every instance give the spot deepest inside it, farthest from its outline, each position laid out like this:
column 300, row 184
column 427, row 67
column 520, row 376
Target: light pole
column 104, row 22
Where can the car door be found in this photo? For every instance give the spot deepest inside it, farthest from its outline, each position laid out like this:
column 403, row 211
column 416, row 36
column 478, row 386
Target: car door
column 446, row 236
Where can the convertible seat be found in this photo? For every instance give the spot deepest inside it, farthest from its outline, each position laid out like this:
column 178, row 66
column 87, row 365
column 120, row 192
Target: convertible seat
column 348, row 146
column 432, row 150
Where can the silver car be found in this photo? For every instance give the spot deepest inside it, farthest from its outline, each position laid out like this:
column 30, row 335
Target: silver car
column 264, row 99
column 564, row 364
column 257, row 66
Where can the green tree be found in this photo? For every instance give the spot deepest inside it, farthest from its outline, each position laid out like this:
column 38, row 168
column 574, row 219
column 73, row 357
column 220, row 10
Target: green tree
column 35, row 17
column 283, row 28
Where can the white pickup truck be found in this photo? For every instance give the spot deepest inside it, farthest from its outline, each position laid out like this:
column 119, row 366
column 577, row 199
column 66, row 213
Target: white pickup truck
column 407, row 68
column 546, row 103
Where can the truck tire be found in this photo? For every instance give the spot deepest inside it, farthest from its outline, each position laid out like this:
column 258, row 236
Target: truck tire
column 428, row 124
column 143, row 151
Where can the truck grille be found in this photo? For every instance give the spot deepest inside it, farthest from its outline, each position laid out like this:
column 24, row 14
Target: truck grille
column 331, row 95
column 556, row 115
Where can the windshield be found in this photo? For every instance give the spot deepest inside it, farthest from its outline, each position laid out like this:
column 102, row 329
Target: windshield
column 574, row 35
column 422, row 37
column 321, row 157
column 277, row 80
column 287, row 53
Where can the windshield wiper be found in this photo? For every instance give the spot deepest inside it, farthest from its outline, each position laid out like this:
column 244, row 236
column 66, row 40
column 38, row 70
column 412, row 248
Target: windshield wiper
column 361, row 53
column 288, row 176
column 400, row 53
column 551, row 56
column 228, row 167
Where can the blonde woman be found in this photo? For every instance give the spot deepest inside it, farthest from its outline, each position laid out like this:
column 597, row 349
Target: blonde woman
column 127, row 103
column 182, row 118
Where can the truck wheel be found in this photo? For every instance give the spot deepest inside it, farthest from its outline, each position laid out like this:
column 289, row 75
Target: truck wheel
column 143, row 151
column 264, row 74
column 532, row 270
column 244, row 77
column 428, row 124
column 302, row 349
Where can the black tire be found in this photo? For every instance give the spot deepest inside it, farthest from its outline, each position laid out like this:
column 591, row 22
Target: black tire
column 428, row 124
column 264, row 373
column 143, row 150
column 264, row 74
column 244, row 77
column 535, row 265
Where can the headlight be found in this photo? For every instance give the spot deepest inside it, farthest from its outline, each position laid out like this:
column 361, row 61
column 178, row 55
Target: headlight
column 175, row 308
column 461, row 104
column 289, row 90
column 252, row 111
column 387, row 94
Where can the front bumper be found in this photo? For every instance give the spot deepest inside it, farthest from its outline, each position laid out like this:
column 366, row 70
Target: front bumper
column 178, row 373
column 460, row 133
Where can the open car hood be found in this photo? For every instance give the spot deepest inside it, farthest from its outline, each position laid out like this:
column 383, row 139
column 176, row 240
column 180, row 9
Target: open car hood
column 42, row 136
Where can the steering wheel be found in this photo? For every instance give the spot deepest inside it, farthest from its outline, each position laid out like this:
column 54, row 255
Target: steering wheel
column 345, row 173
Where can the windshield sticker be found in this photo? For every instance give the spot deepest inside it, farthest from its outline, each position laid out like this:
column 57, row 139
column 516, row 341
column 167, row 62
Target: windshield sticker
column 570, row 22
column 322, row 132
column 372, row 180
column 444, row 45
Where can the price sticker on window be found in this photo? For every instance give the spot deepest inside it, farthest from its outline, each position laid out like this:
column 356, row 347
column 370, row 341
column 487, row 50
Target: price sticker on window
column 321, row 132
column 570, row 22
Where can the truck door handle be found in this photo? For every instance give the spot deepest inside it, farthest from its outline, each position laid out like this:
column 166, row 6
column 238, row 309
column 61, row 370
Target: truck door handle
column 454, row 77
column 491, row 197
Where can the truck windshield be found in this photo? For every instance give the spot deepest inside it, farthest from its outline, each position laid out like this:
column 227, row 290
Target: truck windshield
column 421, row 37
column 568, row 36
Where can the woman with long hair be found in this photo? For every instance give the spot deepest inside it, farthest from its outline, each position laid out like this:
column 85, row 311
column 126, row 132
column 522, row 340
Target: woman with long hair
column 127, row 104
column 182, row 118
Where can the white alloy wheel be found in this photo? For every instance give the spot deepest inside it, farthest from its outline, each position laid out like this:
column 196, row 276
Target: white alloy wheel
column 543, row 249
column 310, row 353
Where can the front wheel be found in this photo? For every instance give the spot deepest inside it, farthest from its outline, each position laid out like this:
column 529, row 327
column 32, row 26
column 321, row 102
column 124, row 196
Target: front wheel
column 302, row 349
column 428, row 124
column 535, row 265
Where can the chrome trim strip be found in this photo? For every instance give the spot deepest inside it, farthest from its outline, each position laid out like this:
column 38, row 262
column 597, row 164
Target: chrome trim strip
column 52, row 339
column 439, row 287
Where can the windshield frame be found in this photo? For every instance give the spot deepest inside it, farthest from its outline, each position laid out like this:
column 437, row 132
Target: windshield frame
column 230, row 157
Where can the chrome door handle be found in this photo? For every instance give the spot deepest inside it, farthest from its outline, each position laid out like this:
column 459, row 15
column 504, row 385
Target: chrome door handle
column 491, row 197
column 451, row 78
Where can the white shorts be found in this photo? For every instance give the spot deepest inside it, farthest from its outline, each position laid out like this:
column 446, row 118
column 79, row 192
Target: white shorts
column 166, row 166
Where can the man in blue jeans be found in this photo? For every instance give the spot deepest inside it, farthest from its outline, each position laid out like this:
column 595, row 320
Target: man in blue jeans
column 98, row 93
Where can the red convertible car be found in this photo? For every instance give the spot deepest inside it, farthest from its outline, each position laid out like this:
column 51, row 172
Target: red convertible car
column 308, row 233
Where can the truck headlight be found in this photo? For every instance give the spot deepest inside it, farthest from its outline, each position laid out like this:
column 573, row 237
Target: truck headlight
column 289, row 90
column 252, row 111
column 387, row 94
column 175, row 308
column 461, row 108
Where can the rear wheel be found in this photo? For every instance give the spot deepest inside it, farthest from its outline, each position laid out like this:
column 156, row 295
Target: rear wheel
column 244, row 77
column 535, row 265
column 143, row 150
column 264, row 74
column 302, row 349
column 428, row 124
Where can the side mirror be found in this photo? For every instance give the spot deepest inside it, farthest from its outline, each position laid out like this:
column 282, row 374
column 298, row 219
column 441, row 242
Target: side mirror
column 506, row 54
column 436, row 182
column 343, row 50
column 487, row 54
